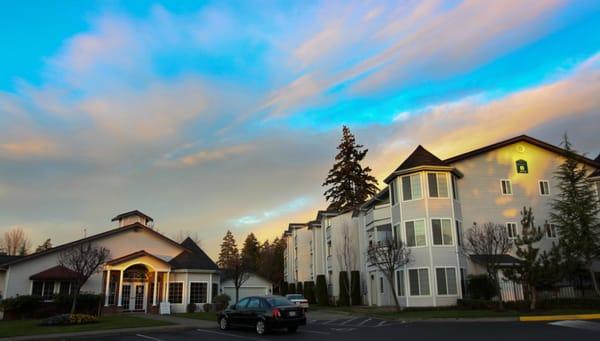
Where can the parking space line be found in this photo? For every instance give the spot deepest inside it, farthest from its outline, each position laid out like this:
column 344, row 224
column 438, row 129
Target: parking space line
column 227, row 334
column 381, row 324
column 579, row 324
column 314, row 332
column 148, row 337
column 330, row 321
column 365, row 321
column 350, row 320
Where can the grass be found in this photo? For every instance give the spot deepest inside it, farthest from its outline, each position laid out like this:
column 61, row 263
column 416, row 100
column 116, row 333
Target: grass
column 199, row 316
column 390, row 313
column 32, row 327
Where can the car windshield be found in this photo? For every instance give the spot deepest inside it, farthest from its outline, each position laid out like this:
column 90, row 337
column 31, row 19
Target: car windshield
column 295, row 297
column 278, row 301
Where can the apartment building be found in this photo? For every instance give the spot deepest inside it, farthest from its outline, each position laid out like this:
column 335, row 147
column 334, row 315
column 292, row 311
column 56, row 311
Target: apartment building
column 429, row 203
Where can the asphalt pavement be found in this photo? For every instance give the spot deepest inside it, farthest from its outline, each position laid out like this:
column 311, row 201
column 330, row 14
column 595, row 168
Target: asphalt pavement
column 361, row 328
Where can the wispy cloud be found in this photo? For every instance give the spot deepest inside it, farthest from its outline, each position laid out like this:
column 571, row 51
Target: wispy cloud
column 286, row 209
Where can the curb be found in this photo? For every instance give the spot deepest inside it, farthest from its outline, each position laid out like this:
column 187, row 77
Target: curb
column 559, row 317
column 108, row 332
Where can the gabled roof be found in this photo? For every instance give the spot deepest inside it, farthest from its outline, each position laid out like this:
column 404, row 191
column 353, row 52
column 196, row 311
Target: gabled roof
column 193, row 258
column 5, row 259
column 418, row 158
column 134, row 255
column 521, row 138
column 132, row 213
column 132, row 227
column 54, row 273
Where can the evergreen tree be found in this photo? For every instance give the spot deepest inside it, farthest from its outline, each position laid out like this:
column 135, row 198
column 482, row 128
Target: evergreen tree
column 575, row 212
column 321, row 291
column 344, row 298
column 349, row 184
column 45, row 246
column 251, row 253
column 229, row 250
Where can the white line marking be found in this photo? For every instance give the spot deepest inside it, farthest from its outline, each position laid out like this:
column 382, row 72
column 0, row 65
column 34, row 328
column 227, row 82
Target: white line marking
column 381, row 324
column 350, row 320
column 314, row 332
column 148, row 337
column 227, row 334
column 578, row 324
column 329, row 322
column 365, row 321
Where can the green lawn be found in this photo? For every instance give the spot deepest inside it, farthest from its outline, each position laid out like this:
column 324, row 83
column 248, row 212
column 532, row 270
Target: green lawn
column 199, row 316
column 32, row 327
column 389, row 313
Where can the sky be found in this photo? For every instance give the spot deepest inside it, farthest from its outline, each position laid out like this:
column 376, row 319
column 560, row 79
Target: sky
column 211, row 116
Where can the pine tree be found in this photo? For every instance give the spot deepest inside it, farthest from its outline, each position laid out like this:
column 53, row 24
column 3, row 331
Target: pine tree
column 229, row 250
column 349, row 183
column 45, row 246
column 251, row 253
column 575, row 213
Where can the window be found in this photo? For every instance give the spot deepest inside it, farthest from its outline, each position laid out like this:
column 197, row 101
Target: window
column 459, row 236
column 442, row 231
column 176, row 292
column 393, row 192
column 400, row 283
column 551, row 230
column 512, row 230
column 438, row 185
column 198, row 292
column 381, row 285
column 329, row 248
column 506, row 187
column 415, row 233
column 454, row 188
column 65, row 288
column 242, row 303
column 112, row 291
column 411, row 187
column 43, row 289
column 446, row 281
column 397, row 233
column 419, row 282
column 254, row 303
column 544, row 187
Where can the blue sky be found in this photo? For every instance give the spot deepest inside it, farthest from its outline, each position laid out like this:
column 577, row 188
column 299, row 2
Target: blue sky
column 215, row 115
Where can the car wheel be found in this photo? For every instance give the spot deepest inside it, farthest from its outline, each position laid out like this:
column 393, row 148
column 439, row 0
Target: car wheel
column 261, row 328
column 292, row 330
column 223, row 323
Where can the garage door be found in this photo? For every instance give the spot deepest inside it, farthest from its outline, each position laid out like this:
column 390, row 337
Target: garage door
column 244, row 292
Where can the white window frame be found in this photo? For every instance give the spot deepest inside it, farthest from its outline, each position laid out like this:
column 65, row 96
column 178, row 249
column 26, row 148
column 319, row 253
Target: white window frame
column 182, row 291
column 424, row 230
column 516, row 230
column 428, row 280
column 540, row 182
column 551, row 228
column 451, row 232
column 510, row 186
column 190, row 291
column 456, row 279
column 448, row 186
column 411, row 186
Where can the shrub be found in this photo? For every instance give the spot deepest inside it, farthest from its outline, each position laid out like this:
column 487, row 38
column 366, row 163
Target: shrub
column 344, row 299
column 222, row 301
column 66, row 320
column 355, row 287
column 481, row 287
column 292, row 288
column 21, row 306
column 321, row 291
column 309, row 292
column 191, row 308
column 87, row 303
column 284, row 289
column 300, row 288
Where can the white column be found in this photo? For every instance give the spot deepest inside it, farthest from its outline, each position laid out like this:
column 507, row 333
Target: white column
column 106, row 291
column 167, row 288
column 209, row 289
column 155, row 286
column 119, row 303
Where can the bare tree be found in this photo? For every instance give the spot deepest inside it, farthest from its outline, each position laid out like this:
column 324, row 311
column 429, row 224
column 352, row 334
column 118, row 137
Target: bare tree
column 183, row 235
column 346, row 256
column 236, row 270
column 15, row 242
column 491, row 242
column 389, row 256
column 85, row 259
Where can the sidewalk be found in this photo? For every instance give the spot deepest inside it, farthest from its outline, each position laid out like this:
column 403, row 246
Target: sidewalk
column 180, row 323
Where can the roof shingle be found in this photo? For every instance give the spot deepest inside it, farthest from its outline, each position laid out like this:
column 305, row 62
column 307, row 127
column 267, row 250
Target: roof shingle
column 195, row 258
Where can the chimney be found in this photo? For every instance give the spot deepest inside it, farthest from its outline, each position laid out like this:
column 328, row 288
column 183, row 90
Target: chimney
column 133, row 217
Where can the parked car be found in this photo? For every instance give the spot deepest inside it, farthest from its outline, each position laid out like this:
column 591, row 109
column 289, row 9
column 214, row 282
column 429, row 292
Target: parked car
column 298, row 300
column 263, row 313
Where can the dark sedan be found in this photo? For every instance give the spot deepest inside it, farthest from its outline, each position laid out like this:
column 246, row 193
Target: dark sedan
column 263, row 313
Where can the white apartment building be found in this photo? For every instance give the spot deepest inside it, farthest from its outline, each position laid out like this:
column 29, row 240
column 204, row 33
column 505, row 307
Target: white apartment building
column 428, row 204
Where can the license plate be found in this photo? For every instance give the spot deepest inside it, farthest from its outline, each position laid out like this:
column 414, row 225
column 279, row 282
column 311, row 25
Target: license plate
column 292, row 313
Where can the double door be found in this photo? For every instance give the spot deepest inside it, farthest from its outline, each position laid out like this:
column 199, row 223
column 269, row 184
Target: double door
column 134, row 296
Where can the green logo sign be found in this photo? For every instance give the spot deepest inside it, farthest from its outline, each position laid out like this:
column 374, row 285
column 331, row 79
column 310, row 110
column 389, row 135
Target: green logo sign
column 522, row 167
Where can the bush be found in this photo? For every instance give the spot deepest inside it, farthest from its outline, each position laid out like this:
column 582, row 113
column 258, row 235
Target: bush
column 222, row 301
column 481, row 287
column 191, row 308
column 87, row 303
column 309, row 292
column 300, row 288
column 344, row 298
column 355, row 287
column 291, row 288
column 66, row 320
column 321, row 291
column 21, row 305
column 284, row 289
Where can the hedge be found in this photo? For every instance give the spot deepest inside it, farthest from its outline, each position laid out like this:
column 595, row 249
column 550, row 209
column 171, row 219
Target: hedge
column 321, row 291
column 344, row 298
column 309, row 292
column 481, row 287
column 300, row 288
column 355, row 287
column 292, row 288
column 284, row 289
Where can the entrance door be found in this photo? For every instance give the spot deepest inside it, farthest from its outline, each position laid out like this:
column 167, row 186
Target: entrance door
column 139, row 297
column 126, row 296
